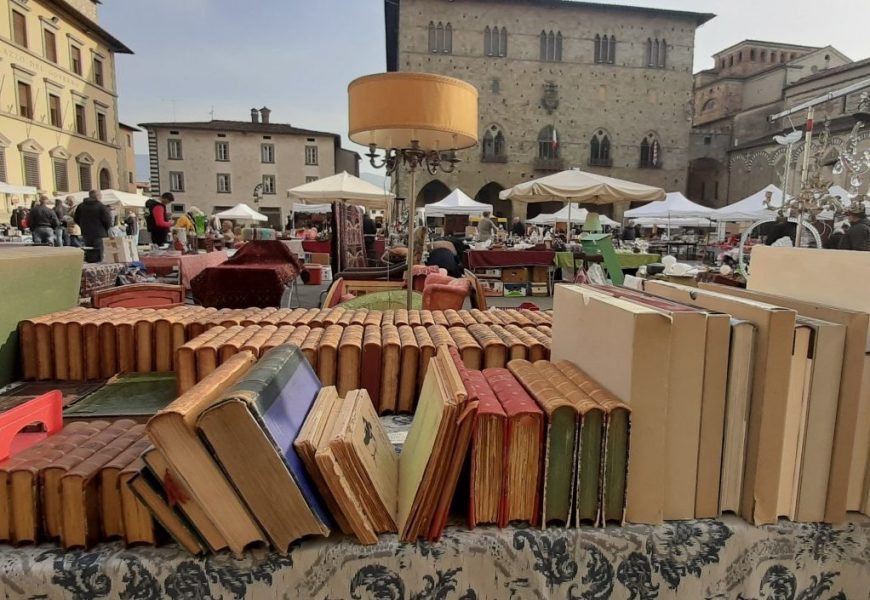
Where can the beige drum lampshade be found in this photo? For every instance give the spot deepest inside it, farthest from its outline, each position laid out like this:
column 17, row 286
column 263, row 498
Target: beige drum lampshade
column 390, row 110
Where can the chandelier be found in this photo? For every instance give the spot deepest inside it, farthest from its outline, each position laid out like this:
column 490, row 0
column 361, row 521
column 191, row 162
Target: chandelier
column 852, row 161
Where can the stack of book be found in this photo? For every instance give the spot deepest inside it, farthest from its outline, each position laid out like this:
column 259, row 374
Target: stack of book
column 738, row 398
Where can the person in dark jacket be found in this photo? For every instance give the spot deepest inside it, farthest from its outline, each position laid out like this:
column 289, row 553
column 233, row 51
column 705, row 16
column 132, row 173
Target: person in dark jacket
column 60, row 236
column 19, row 218
column 857, row 237
column 369, row 232
column 157, row 219
column 782, row 228
column 95, row 220
column 518, row 229
column 43, row 222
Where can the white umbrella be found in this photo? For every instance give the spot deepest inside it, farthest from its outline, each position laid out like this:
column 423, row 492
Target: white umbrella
column 17, row 190
column 109, row 197
column 672, row 223
column 456, row 203
column 750, row 208
column 342, row 186
column 311, row 208
column 241, row 212
column 675, row 205
column 574, row 212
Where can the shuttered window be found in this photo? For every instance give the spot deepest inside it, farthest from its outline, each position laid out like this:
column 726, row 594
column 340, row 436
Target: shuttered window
column 85, row 178
column 3, row 164
column 50, row 45
column 25, row 100
column 19, row 28
column 98, row 72
column 75, row 57
column 81, row 124
column 31, row 169
column 61, row 176
column 54, row 111
column 102, row 131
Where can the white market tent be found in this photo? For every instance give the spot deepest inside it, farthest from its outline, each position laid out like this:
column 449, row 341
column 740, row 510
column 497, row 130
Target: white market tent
column 345, row 187
column 456, row 203
column 750, row 208
column 311, row 208
column 241, row 212
column 577, row 215
column 110, row 197
column 675, row 205
column 673, row 223
column 17, row 190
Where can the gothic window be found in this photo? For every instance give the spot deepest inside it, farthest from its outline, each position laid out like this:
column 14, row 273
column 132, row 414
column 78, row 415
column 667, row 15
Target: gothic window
column 599, row 149
column 650, row 152
column 605, row 48
column 551, row 46
column 548, row 143
column 731, row 61
column 493, row 143
column 495, row 41
column 656, row 53
column 440, row 38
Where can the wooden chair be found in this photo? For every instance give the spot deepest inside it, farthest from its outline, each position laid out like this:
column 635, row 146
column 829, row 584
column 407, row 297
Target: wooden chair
column 139, row 295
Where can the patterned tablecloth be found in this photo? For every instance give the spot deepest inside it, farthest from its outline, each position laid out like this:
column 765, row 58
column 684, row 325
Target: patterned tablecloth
column 98, row 276
column 497, row 259
column 714, row 559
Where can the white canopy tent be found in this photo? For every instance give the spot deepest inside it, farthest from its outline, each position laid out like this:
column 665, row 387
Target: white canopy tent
column 750, row 208
column 299, row 207
column 673, row 223
column 675, row 205
column 17, row 190
column 574, row 212
column 456, row 203
column 241, row 212
column 345, row 187
column 111, row 197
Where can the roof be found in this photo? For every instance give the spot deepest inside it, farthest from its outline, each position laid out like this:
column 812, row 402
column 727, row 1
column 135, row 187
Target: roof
column 90, row 27
column 239, row 126
column 832, row 71
column 837, row 125
column 769, row 44
column 128, row 127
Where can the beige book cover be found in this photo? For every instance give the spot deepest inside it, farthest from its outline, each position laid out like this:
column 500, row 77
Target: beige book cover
column 792, row 417
column 409, row 357
column 349, row 359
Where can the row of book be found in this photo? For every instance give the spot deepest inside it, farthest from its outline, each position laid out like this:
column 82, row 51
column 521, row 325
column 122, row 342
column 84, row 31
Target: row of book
column 741, row 401
column 389, row 362
column 83, row 344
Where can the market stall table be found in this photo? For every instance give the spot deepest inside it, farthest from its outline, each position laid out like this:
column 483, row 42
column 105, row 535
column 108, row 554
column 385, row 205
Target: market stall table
column 627, row 260
column 497, row 259
column 188, row 265
column 99, row 276
column 317, row 246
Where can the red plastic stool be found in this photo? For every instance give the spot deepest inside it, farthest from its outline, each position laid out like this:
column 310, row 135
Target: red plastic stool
column 46, row 409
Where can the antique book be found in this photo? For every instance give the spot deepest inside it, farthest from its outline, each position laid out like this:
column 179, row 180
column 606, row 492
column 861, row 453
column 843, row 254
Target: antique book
column 545, row 339
column 739, row 393
column 91, row 337
column 125, row 336
column 387, row 317
column 144, row 333
column 346, row 318
column 409, row 357
column 359, row 317
column 426, row 318
column 163, row 350
column 469, row 349
column 373, row 318
column 313, row 435
column 150, row 492
column 535, row 351
column 333, row 316
column 360, row 467
column 111, row 509
column 797, row 380
column 349, row 359
column 391, row 345
column 414, row 319
column 307, row 317
column 262, row 414
column 616, row 442
column 482, row 317
column 400, row 317
column 467, row 317
column 370, row 370
column 208, row 354
column 625, row 348
column 427, row 352
column 487, row 473
column 33, row 345
column 173, row 432
column 514, row 346
column 138, row 524
column 775, row 337
column 440, row 336
column 80, row 492
column 261, row 336
column 493, row 347
column 319, row 320
column 277, row 315
column 440, row 318
column 282, row 335
column 559, row 443
column 849, row 440
column 523, row 446
column 453, row 318
column 235, row 343
column 136, row 396
column 185, row 359
column 311, row 346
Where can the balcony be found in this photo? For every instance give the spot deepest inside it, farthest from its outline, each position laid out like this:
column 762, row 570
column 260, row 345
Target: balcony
column 549, row 164
column 600, row 162
column 493, row 158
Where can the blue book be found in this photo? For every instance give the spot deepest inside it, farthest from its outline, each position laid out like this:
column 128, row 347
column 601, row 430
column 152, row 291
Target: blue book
column 250, row 431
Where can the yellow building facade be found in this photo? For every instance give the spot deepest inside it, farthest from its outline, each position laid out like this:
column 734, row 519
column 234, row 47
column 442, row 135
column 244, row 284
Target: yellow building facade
column 59, row 127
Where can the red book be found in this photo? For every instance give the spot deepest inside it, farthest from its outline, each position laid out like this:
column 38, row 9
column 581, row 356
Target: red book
column 486, row 486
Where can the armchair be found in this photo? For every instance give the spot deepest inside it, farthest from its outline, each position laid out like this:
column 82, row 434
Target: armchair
column 441, row 292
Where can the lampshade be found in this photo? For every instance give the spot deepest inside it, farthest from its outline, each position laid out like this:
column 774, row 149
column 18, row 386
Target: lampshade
column 390, row 110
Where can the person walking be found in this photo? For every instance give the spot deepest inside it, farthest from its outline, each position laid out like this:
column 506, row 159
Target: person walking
column 95, row 220
column 485, row 228
column 156, row 218
column 43, row 222
column 60, row 232
column 857, row 237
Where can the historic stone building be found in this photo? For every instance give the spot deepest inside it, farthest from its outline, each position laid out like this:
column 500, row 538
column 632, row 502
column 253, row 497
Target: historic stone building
column 732, row 150
column 216, row 164
column 58, row 101
column 604, row 88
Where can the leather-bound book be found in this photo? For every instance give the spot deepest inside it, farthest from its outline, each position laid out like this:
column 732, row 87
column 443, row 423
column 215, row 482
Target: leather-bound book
column 453, row 318
column 440, row 318
column 373, row 318
column 400, row 317
column 261, row 335
column 75, row 350
column 523, row 449
column 535, row 350
column 319, row 320
column 359, row 317
column 514, row 346
column 349, row 359
column 235, row 343
column 536, row 317
column 126, row 341
column 293, row 317
column 494, row 348
column 333, row 316
column 139, row 526
column 295, row 336
column 42, row 331
column 391, row 345
column 32, row 346
column 308, row 317
column 469, row 349
column 388, row 317
column 410, row 355
column 370, row 371
column 80, row 491
column 414, row 319
column 144, row 332
column 499, row 317
column 426, row 318
column 111, row 511
column 311, row 344
column 346, row 318
column 545, row 330
column 427, row 352
column 484, row 318
column 163, row 350
column 208, row 354
column 488, row 443
column 91, row 339
column 545, row 340
column 281, row 336
column 327, row 357
column 467, row 317
column 440, row 336
column 275, row 316
column 60, row 369
column 520, row 318
column 257, row 317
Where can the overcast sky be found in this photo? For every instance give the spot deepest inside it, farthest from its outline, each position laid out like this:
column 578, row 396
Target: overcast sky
column 297, row 56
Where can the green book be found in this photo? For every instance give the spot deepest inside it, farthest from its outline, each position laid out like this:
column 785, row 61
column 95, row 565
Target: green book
column 135, row 396
column 616, row 463
column 589, row 465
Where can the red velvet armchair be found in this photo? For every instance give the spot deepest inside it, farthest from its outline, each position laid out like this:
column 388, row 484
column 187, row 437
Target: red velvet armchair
column 441, row 292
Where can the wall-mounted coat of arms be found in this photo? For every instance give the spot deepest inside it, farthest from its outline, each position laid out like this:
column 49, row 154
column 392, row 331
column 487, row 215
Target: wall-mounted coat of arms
column 550, row 100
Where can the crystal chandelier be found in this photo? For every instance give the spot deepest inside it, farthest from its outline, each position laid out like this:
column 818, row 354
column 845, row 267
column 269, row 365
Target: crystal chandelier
column 852, row 161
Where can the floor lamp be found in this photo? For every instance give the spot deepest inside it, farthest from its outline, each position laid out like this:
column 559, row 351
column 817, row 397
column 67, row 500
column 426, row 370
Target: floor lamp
column 419, row 120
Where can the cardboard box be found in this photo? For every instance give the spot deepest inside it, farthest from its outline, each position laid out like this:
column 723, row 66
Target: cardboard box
column 492, row 287
column 540, row 289
column 516, row 290
column 515, row 275
column 326, row 273
column 540, row 274
column 120, row 250
column 320, row 258
column 492, row 273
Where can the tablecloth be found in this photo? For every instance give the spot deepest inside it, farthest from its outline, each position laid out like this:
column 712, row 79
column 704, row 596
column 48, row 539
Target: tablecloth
column 713, row 559
column 626, row 260
column 188, row 265
column 497, row 259
column 98, row 276
column 319, row 246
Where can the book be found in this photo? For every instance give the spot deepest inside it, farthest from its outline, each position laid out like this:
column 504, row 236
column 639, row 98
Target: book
column 235, row 343
column 792, row 419
column 173, row 432
column 185, row 360
column 310, row 346
column 327, row 354
column 738, row 396
column 111, row 489
column 440, row 336
column 349, row 358
column 250, row 431
column 514, row 346
column 149, row 491
column 469, row 349
column 408, row 362
column 261, row 336
column 493, row 347
column 139, row 526
column 534, row 348
column 371, row 363
column 487, row 472
column 427, row 352
column 136, row 396
column 523, row 444
column 391, row 345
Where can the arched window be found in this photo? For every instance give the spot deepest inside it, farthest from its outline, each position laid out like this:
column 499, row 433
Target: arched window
column 551, row 46
column 548, row 143
column 656, row 53
column 448, row 39
column 722, row 63
column 502, row 39
column 650, row 152
column 605, row 48
column 440, row 38
column 709, row 105
column 599, row 149
column 493, row 144
column 433, row 44
column 772, row 56
column 740, row 56
column 731, row 61
column 752, row 54
column 487, row 41
column 105, row 179
column 762, row 56
column 597, row 50
column 495, row 41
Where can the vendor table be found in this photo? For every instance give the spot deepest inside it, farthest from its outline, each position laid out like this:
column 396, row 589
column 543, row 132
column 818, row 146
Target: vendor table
column 317, row 246
column 497, row 259
column 98, row 276
column 691, row 248
column 188, row 265
column 626, row 260
column 721, row 559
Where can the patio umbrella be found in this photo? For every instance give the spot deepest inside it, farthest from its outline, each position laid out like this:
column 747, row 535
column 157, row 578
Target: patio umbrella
column 345, row 187
column 110, row 197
